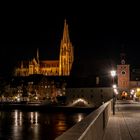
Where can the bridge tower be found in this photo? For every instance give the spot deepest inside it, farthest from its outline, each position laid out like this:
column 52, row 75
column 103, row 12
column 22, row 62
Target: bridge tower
column 123, row 74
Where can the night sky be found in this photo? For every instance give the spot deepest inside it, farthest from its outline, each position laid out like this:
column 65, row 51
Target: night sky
column 98, row 34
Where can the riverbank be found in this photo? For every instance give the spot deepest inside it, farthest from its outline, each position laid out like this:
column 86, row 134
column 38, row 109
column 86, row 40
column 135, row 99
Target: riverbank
column 42, row 107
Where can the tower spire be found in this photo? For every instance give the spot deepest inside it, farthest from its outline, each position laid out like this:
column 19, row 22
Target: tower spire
column 37, row 55
column 66, row 52
column 21, row 64
column 66, row 37
column 122, row 55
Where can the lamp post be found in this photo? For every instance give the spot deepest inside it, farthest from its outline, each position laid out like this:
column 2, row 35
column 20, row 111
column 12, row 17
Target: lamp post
column 113, row 74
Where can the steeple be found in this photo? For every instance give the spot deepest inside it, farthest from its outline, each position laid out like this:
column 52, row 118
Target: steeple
column 21, row 65
column 66, row 37
column 123, row 56
column 66, row 52
column 37, row 55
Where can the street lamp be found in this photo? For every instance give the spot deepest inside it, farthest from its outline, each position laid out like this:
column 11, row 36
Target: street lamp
column 113, row 74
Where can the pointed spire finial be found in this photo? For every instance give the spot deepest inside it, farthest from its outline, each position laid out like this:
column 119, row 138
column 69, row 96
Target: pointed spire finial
column 21, row 64
column 65, row 32
column 122, row 54
column 65, row 22
column 37, row 55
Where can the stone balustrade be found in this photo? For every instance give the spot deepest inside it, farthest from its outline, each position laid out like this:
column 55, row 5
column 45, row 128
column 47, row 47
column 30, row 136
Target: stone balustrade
column 90, row 128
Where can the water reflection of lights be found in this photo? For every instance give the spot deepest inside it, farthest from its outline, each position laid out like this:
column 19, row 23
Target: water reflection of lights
column 34, row 117
column 18, row 117
column 61, row 125
column 49, row 125
column 80, row 117
column 17, row 124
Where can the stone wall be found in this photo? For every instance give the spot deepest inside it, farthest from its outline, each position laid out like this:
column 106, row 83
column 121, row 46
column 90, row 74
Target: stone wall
column 93, row 96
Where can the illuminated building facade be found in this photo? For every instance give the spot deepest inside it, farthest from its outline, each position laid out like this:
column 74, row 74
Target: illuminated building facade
column 128, row 79
column 61, row 67
column 123, row 72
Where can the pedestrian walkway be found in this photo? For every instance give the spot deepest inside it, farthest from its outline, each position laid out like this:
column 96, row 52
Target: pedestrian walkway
column 125, row 124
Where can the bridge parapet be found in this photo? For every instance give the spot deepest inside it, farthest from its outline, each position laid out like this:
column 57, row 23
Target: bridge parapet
column 90, row 128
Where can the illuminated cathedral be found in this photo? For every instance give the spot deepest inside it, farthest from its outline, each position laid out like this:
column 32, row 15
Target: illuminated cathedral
column 61, row 67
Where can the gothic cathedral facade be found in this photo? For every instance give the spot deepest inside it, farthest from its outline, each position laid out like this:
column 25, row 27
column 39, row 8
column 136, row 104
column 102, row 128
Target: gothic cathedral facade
column 61, row 67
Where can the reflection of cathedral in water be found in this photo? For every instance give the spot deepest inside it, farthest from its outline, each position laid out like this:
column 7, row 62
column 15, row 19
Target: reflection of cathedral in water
column 61, row 67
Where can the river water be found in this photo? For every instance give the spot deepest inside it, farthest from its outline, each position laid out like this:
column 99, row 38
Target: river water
column 35, row 125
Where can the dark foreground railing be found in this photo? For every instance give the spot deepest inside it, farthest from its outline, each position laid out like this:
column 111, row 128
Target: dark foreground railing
column 90, row 128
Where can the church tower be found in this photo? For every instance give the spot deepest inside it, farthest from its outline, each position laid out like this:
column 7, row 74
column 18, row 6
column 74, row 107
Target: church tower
column 123, row 72
column 66, row 53
column 60, row 67
column 37, row 65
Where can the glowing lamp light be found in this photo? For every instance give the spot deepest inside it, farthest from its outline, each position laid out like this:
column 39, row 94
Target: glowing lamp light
column 114, row 86
column 138, row 89
column 113, row 73
column 36, row 97
column 132, row 91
